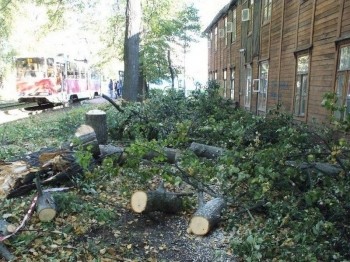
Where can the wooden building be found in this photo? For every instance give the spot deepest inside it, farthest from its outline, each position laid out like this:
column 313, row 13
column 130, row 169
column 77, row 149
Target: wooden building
column 288, row 52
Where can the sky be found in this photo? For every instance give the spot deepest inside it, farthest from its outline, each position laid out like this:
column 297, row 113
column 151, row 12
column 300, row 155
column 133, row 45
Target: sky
column 197, row 57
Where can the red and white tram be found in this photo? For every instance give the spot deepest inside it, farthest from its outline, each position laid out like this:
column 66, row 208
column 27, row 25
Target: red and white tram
column 55, row 80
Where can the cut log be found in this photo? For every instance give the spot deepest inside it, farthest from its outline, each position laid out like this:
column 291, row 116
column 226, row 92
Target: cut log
column 86, row 137
column 158, row 200
column 207, row 217
column 97, row 119
column 6, row 228
column 325, row 168
column 45, row 207
column 206, row 151
column 170, row 154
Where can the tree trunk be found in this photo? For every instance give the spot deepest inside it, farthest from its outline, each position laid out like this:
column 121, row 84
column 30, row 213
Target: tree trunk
column 171, row 69
column 158, row 200
column 131, row 51
column 207, row 216
column 206, row 151
column 97, row 119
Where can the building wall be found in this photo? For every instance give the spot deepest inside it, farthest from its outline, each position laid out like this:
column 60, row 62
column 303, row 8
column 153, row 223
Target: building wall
column 295, row 28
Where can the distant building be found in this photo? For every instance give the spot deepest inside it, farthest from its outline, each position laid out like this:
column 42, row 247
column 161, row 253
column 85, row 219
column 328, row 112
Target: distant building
column 269, row 52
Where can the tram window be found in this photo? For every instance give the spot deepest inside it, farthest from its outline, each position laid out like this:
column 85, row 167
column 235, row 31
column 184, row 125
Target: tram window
column 50, row 67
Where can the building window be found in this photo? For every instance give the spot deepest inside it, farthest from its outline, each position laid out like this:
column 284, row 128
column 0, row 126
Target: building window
column 263, row 84
column 233, row 29
column 225, row 31
column 301, row 88
column 232, row 83
column 267, row 4
column 251, row 11
column 225, row 82
column 248, row 87
column 343, row 83
column 215, row 75
column 216, row 38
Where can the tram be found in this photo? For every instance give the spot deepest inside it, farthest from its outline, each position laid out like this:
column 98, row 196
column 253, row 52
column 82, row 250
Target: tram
column 55, row 79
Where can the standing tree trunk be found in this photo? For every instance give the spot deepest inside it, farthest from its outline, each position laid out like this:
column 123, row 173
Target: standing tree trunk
column 132, row 84
column 171, row 69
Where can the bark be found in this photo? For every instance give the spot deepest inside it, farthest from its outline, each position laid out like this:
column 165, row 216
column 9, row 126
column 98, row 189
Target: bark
column 207, row 216
column 158, row 200
column 131, row 90
column 206, row 151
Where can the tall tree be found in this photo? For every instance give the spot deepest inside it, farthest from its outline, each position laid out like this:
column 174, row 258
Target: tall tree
column 170, row 27
column 132, row 89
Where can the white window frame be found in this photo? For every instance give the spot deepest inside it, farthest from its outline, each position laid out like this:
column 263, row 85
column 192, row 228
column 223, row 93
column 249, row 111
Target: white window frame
column 301, row 85
column 263, row 86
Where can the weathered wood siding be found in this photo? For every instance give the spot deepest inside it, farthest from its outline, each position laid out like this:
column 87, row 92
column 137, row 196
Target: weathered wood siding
column 297, row 27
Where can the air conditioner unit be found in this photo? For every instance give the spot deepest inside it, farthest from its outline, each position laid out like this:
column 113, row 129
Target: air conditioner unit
column 256, row 85
column 245, row 15
column 229, row 27
column 221, row 33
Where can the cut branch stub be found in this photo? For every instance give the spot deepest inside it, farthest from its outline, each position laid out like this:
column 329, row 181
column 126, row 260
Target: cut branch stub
column 206, row 151
column 207, row 217
column 158, row 200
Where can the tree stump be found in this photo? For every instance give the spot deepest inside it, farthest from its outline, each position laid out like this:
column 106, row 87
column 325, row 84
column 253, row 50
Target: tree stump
column 206, row 217
column 97, row 119
column 86, row 137
column 210, row 152
column 158, row 200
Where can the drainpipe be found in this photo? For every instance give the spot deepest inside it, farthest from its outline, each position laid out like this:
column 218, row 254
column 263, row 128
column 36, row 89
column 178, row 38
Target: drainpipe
column 242, row 73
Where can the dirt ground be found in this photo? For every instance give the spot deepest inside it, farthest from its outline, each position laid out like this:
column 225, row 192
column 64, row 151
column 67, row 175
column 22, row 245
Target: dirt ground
column 160, row 237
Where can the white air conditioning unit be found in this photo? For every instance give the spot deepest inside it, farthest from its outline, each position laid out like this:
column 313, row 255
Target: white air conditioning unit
column 245, row 15
column 221, row 33
column 229, row 27
column 256, row 85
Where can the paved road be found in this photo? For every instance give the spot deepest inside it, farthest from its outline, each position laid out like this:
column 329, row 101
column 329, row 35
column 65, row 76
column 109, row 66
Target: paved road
column 16, row 114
